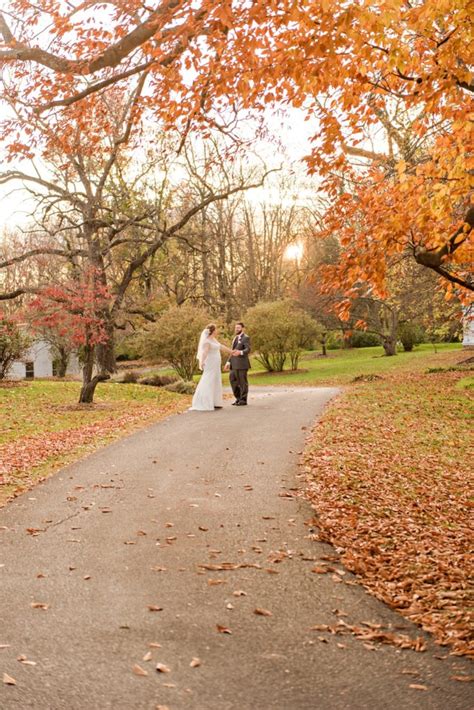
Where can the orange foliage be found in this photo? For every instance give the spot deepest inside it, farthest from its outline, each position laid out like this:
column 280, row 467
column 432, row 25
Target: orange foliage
column 344, row 63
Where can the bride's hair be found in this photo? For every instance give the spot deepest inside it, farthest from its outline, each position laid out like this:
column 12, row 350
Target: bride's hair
column 211, row 328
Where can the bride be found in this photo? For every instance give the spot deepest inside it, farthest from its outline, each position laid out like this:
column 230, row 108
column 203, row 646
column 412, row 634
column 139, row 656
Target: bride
column 208, row 395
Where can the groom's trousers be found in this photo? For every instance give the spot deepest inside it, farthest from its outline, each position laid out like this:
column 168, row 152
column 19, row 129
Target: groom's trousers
column 239, row 384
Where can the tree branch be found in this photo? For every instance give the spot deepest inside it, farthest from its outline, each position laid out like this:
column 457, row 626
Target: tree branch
column 38, row 252
column 94, row 88
column 11, row 295
column 110, row 58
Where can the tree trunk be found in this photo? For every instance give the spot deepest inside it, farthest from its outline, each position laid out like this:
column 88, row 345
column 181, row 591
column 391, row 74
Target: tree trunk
column 323, row 345
column 90, row 382
column 88, row 389
column 390, row 345
column 62, row 361
column 294, row 358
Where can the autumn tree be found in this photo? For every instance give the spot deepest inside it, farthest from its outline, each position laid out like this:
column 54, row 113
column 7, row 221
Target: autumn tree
column 338, row 61
column 106, row 218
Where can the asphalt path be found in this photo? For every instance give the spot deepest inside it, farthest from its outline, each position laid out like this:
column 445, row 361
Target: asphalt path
column 158, row 550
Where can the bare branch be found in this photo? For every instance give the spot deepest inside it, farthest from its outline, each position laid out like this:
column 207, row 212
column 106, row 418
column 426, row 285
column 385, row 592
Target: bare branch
column 39, row 252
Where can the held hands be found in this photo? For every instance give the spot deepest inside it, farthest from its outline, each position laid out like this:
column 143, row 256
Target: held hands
column 236, row 353
column 227, row 367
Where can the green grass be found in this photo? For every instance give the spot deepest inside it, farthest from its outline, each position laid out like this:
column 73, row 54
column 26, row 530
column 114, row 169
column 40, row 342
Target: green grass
column 341, row 366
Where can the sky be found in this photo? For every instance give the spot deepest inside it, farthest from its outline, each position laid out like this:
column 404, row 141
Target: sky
column 291, row 130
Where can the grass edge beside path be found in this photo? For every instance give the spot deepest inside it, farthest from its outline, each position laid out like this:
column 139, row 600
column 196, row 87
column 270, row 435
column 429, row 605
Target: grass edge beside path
column 44, row 429
column 386, row 474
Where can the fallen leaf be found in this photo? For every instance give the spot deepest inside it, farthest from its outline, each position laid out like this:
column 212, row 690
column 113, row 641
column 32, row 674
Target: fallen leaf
column 223, row 629
column 147, row 656
column 239, row 593
column 154, row 607
column 152, row 644
column 39, row 605
column 138, row 670
column 161, row 668
column 226, row 566
column 215, row 582
column 201, row 527
column 464, row 678
column 320, row 570
column 262, row 612
column 8, row 680
column 416, row 686
column 23, row 659
column 195, row 662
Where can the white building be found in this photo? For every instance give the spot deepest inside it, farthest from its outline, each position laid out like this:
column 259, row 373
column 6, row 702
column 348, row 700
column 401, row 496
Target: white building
column 38, row 362
column 468, row 327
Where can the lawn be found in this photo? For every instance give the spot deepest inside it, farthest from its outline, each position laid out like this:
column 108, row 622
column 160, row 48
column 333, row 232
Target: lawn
column 341, row 366
column 42, row 426
column 388, row 469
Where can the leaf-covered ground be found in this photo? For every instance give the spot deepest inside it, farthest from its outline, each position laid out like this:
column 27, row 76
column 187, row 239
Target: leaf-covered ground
column 388, row 476
column 42, row 427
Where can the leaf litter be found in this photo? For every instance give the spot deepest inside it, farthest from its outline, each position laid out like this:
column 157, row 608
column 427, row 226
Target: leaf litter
column 393, row 496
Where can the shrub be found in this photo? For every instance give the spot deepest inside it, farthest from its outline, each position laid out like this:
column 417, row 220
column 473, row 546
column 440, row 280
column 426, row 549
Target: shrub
column 130, row 378
column 334, row 341
column 175, row 336
column 128, row 350
column 159, row 380
column 410, row 334
column 13, row 345
column 279, row 331
column 181, row 387
column 362, row 339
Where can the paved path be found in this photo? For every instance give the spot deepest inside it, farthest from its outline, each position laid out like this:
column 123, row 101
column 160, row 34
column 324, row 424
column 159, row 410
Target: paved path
column 197, row 489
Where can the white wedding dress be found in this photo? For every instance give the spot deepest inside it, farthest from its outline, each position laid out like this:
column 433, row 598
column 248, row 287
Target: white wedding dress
column 209, row 390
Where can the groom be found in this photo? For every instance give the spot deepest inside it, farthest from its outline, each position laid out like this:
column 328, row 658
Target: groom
column 239, row 364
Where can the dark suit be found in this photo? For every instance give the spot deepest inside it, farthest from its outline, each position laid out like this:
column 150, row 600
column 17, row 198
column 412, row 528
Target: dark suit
column 239, row 365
